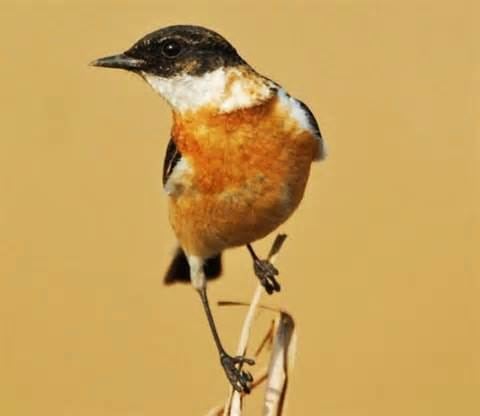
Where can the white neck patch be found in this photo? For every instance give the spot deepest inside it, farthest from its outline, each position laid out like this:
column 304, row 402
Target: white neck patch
column 227, row 89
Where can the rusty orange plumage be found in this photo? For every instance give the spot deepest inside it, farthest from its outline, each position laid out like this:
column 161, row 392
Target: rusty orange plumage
column 249, row 171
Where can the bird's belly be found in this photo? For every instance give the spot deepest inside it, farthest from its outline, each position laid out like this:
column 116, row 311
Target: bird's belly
column 207, row 223
column 248, row 171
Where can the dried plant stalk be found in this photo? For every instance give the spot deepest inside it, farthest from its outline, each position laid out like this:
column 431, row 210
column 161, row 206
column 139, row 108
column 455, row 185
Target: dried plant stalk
column 281, row 362
column 280, row 340
column 233, row 406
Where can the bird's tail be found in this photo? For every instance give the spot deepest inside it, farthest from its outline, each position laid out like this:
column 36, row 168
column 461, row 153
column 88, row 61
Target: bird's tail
column 179, row 270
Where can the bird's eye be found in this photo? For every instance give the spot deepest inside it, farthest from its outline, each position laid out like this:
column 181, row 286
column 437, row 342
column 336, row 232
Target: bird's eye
column 171, row 48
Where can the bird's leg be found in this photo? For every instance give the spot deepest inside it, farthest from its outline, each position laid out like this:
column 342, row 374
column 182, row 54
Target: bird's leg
column 239, row 379
column 265, row 271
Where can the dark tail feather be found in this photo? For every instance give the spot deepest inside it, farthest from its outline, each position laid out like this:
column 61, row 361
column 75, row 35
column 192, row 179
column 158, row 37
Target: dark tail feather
column 179, row 270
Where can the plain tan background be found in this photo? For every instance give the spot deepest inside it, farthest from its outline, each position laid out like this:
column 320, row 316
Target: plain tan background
column 380, row 270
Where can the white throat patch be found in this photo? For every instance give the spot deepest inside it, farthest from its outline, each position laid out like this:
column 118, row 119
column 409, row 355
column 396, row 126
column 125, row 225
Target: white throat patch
column 227, row 89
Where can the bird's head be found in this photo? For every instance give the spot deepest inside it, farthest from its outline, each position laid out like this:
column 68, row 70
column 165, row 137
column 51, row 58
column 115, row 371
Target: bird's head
column 174, row 51
column 187, row 65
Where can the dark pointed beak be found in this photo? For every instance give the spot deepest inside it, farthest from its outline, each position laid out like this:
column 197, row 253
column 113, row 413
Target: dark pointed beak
column 120, row 61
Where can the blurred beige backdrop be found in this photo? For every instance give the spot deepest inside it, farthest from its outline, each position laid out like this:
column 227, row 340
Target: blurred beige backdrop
column 381, row 267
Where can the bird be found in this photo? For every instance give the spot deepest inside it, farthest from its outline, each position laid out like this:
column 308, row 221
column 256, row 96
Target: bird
column 236, row 164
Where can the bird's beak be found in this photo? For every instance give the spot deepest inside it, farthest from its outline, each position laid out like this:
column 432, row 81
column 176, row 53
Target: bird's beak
column 120, row 61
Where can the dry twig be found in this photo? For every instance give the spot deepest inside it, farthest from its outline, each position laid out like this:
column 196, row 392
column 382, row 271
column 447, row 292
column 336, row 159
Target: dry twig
column 280, row 340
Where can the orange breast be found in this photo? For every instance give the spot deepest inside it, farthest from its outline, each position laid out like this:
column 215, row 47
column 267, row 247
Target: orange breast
column 249, row 171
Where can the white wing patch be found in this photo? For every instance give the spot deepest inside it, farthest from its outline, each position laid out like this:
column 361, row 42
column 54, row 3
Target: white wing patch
column 295, row 110
column 179, row 179
column 305, row 119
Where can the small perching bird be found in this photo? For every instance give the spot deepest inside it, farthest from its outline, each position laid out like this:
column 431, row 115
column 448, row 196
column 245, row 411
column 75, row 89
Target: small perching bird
column 238, row 159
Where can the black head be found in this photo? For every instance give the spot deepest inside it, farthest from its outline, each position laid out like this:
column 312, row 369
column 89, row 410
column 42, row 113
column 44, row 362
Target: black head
column 175, row 50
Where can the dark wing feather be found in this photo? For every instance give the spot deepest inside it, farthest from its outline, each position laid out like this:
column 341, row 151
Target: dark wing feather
column 172, row 156
column 311, row 119
column 315, row 129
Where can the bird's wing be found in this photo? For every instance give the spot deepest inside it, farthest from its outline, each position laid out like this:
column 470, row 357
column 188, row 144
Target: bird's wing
column 315, row 128
column 172, row 157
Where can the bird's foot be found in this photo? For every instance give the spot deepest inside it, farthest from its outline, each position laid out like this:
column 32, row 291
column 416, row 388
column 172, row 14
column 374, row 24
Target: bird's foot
column 266, row 272
column 240, row 380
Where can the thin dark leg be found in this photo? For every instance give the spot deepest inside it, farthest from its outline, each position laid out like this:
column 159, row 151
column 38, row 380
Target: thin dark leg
column 239, row 379
column 265, row 271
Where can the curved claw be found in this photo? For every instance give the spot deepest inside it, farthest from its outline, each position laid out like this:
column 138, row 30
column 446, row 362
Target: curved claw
column 239, row 379
column 266, row 272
